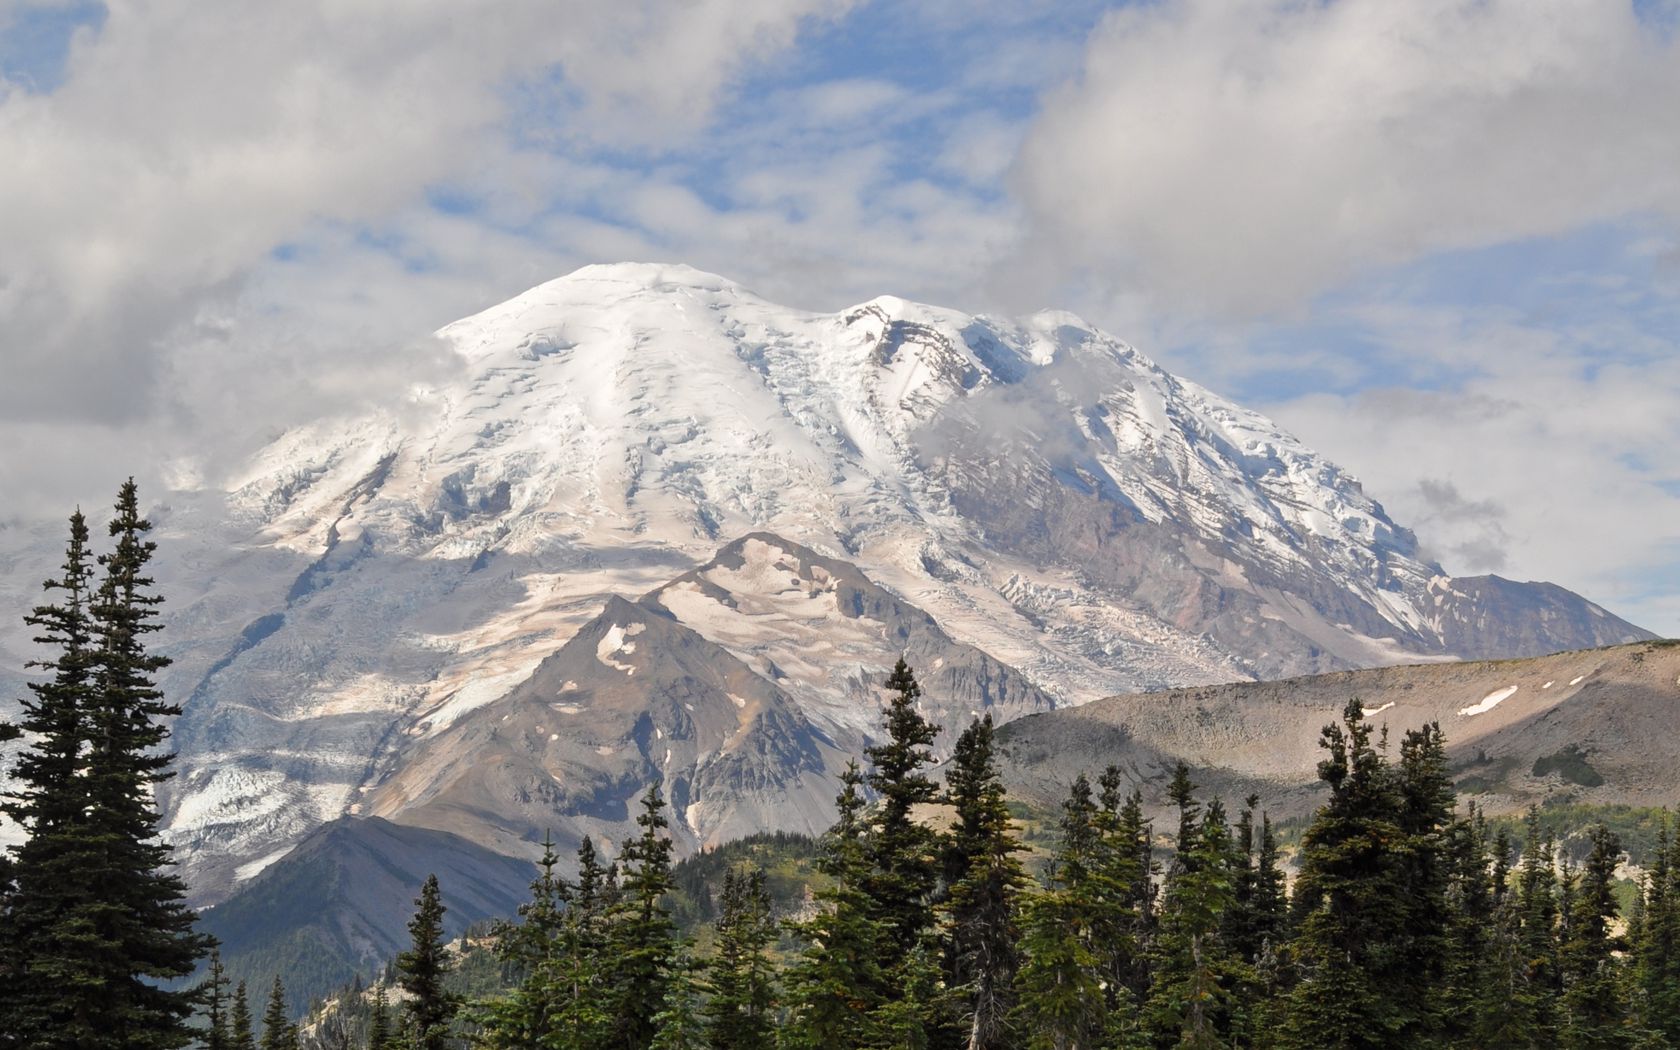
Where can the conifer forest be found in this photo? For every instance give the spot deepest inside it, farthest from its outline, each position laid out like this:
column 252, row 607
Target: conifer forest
column 1396, row 917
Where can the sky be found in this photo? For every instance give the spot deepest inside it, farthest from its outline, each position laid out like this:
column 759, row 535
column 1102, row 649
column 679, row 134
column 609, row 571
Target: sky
column 1439, row 240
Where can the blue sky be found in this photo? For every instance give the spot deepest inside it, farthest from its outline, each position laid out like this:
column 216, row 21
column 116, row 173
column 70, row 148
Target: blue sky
column 1437, row 239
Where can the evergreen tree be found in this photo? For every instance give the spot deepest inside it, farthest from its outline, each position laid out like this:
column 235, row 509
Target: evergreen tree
column 1536, row 1008
column 532, row 952
column 1198, row 979
column 642, row 936
column 49, row 987
column 278, row 1031
column 1350, row 902
column 379, row 1022
column 421, row 971
column 217, row 1031
column 1594, row 1007
column 985, row 882
column 678, row 1025
column 1656, row 943
column 739, row 976
column 836, row 986
column 98, row 922
column 901, row 851
column 1062, row 1006
column 241, row 1035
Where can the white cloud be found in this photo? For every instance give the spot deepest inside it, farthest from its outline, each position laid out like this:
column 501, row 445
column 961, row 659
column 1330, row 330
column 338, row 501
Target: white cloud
column 1548, row 463
column 189, row 139
column 1240, row 156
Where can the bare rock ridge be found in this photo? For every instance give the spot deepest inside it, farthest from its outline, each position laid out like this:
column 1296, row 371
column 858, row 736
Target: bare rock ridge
column 1031, row 501
column 1593, row 726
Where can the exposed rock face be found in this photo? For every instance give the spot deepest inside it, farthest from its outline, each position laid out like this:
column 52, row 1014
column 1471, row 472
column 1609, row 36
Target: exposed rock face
column 1594, row 726
column 1034, row 490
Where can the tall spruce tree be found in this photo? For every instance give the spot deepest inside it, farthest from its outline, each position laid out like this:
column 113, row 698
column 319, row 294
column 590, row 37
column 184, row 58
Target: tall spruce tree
column 532, row 951
column 1656, row 943
column 1199, row 980
column 97, row 948
column 985, row 881
column 739, row 975
column 1061, row 1001
column 679, row 1024
column 279, row 1033
column 431, row 1006
column 837, row 985
column 902, row 852
column 380, row 1035
column 1595, row 1008
column 241, row 1035
column 49, row 986
column 642, row 936
column 1349, row 900
column 218, row 1032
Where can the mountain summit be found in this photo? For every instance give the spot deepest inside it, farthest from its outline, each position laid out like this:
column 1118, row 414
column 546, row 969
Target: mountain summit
column 1073, row 520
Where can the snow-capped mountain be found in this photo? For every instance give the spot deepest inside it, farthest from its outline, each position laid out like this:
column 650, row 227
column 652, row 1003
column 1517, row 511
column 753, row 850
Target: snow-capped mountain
column 345, row 614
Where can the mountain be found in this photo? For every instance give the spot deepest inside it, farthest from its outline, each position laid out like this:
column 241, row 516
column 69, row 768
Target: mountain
column 344, row 612
column 744, row 687
column 339, row 903
column 1593, row 727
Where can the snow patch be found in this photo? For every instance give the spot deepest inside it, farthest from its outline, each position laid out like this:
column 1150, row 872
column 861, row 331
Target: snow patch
column 1548, row 685
column 616, row 641
column 1490, row 701
column 1578, row 679
column 739, row 702
column 250, row 869
column 1379, row 710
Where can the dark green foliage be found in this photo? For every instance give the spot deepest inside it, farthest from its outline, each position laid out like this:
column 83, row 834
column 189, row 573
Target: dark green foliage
column 739, row 976
column 678, row 1024
column 95, row 922
column 241, row 1035
column 902, row 852
column 379, row 1024
column 984, row 880
column 641, row 936
column 218, row 1033
column 838, row 982
column 278, row 1031
column 1595, row 1010
column 1349, row 901
column 421, row 970
column 1656, row 944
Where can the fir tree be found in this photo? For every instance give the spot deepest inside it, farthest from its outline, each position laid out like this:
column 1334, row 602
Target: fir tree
column 902, row 852
column 1536, row 1008
column 1594, row 1007
column 739, row 976
column 1349, row 899
column 241, row 1035
column 678, row 1025
column 1198, row 978
column 421, row 971
column 1062, row 1006
column 1656, row 943
column 49, row 987
column 278, row 1031
column 985, row 881
column 97, row 918
column 217, row 1031
column 642, row 936
column 837, row 985
column 379, row 1022
column 532, row 952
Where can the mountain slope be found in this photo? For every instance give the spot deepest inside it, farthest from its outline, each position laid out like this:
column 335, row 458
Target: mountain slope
column 340, row 901
column 1592, row 726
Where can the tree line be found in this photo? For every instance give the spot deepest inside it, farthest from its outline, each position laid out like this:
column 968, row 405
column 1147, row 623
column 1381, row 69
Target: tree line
column 1407, row 922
